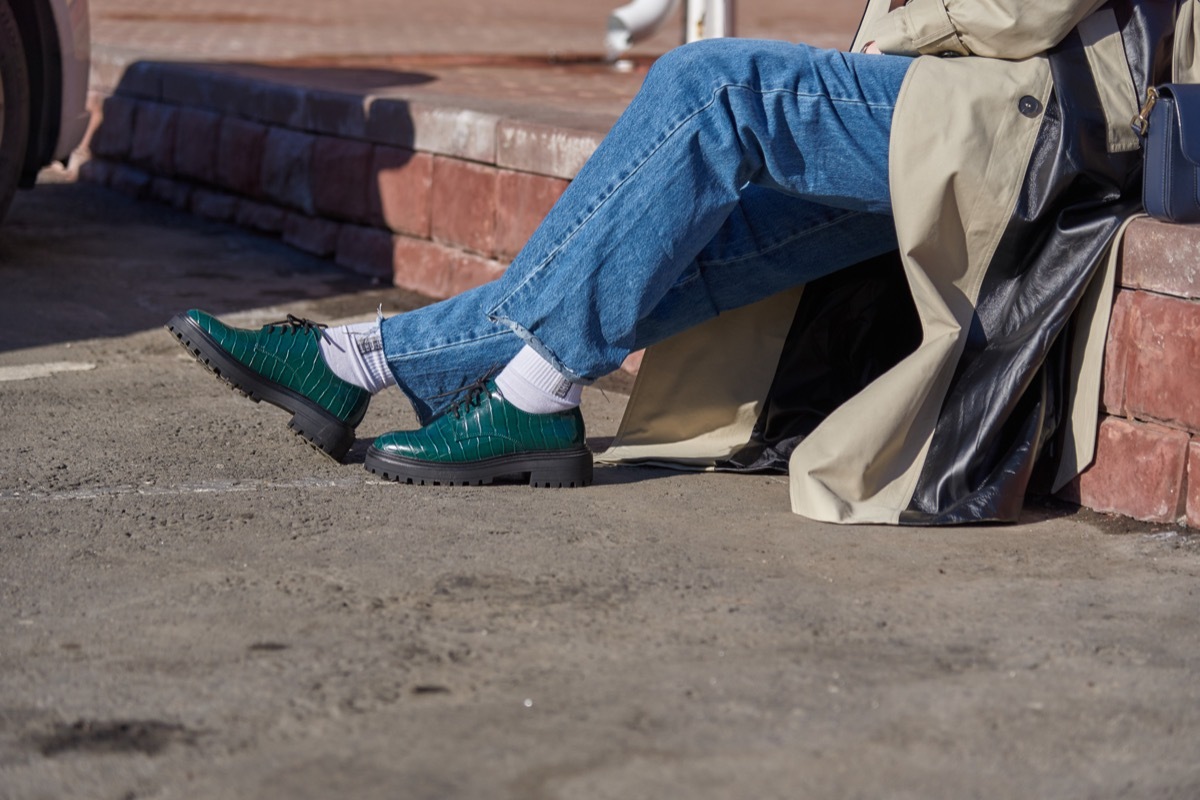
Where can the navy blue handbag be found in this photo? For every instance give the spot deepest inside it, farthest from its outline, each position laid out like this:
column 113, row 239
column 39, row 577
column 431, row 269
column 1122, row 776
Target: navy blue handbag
column 1169, row 124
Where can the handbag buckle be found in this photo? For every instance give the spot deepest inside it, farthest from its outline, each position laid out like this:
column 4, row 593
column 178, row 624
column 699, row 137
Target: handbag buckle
column 1141, row 123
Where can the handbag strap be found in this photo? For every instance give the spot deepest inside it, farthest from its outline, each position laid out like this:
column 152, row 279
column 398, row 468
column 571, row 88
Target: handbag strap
column 1141, row 123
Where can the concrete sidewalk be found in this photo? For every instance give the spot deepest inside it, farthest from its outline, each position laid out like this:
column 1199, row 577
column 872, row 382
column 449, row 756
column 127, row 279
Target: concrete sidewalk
column 195, row 605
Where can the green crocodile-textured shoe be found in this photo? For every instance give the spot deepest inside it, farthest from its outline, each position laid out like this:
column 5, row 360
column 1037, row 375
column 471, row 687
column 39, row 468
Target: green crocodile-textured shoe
column 282, row 364
column 485, row 437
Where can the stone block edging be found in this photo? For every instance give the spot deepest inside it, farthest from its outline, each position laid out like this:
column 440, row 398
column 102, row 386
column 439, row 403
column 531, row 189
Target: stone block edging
column 1148, row 453
column 459, row 189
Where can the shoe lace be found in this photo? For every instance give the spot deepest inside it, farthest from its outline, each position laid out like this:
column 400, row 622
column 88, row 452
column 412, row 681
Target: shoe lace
column 294, row 324
column 473, row 394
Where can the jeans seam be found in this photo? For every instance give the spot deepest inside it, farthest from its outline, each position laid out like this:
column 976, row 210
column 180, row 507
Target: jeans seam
column 491, row 313
column 604, row 200
column 780, row 244
column 795, row 93
column 447, row 346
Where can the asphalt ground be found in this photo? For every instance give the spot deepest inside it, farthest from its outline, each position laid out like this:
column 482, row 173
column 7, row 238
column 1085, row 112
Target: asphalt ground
column 196, row 605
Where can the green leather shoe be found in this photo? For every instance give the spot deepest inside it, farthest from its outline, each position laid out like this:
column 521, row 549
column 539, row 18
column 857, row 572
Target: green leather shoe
column 282, row 364
column 485, row 437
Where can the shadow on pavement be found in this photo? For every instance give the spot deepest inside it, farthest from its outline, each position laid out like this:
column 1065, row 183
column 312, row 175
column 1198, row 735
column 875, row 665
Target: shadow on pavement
column 80, row 262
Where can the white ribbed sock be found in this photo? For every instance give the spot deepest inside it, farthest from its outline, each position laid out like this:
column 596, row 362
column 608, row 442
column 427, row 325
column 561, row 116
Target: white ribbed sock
column 355, row 354
column 532, row 384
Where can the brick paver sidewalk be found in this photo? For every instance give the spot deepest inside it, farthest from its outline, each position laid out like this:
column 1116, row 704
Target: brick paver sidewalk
column 257, row 30
column 493, row 53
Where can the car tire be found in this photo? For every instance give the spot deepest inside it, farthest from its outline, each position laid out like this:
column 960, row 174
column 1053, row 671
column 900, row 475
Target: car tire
column 14, row 106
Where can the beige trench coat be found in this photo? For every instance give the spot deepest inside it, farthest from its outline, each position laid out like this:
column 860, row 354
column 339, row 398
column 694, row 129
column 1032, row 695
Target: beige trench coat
column 959, row 151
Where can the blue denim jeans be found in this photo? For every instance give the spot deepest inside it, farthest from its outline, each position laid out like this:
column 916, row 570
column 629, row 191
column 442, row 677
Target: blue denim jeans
column 741, row 168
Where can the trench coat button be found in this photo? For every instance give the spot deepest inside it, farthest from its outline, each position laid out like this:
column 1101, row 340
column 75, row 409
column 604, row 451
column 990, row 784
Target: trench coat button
column 1030, row 106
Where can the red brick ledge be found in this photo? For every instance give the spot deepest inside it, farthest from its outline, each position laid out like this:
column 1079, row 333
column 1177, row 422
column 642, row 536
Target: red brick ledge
column 484, row 131
column 429, row 203
column 1148, row 455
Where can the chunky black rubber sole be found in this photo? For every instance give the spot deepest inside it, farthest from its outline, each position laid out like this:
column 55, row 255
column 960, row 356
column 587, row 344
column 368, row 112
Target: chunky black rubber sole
column 560, row 470
column 325, row 432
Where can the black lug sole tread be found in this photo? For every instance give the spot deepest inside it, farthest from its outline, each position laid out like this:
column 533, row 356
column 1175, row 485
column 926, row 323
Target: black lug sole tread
column 551, row 470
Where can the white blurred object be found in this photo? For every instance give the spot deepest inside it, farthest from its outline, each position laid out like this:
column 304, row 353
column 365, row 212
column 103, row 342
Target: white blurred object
column 634, row 22
column 629, row 24
column 708, row 19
